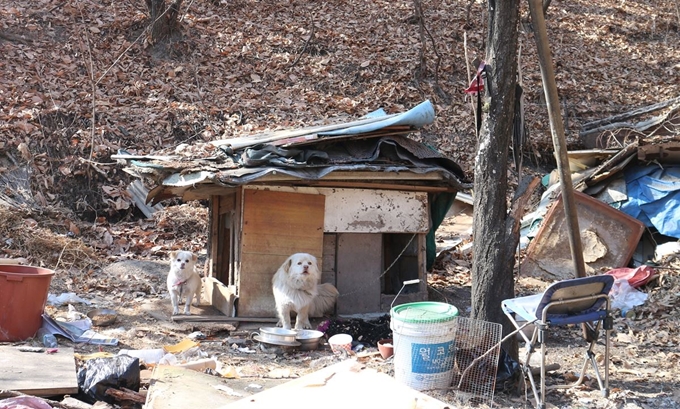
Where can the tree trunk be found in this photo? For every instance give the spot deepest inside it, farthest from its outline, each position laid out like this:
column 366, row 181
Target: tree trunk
column 546, row 4
column 494, row 242
column 164, row 19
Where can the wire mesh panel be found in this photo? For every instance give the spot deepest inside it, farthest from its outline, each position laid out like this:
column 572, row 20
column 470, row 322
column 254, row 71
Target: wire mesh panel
column 476, row 360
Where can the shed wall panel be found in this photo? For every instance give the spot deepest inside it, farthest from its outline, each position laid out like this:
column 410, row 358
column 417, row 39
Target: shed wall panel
column 329, row 256
column 370, row 210
column 376, row 211
column 359, row 265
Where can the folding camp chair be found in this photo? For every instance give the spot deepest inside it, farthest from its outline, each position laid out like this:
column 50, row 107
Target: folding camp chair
column 577, row 301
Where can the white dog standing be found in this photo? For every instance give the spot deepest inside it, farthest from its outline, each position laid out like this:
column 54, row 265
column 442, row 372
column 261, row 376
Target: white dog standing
column 183, row 280
column 296, row 288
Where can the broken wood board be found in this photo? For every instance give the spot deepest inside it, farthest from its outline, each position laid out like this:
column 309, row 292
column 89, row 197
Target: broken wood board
column 38, row 374
column 173, row 387
column 609, row 236
column 220, row 318
column 203, row 317
column 347, row 384
column 219, row 295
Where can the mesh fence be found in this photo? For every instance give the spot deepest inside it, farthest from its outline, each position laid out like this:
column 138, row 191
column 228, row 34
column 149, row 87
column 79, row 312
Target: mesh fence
column 477, row 352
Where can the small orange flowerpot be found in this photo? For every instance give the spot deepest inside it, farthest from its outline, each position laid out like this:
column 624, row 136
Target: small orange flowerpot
column 386, row 348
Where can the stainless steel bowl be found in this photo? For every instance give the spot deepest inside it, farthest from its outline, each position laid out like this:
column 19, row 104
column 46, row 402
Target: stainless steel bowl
column 277, row 335
column 102, row 317
column 308, row 339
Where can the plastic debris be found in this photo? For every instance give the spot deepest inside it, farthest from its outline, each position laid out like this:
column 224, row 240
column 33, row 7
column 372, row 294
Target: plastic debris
column 98, row 375
column 65, row 298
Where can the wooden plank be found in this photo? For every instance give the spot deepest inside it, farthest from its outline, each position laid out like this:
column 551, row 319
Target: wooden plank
column 382, row 186
column 265, row 243
column 38, row 374
column 221, row 318
column 197, row 192
column 359, row 267
column 347, row 384
column 422, row 264
column 610, row 230
column 283, row 212
column 227, row 203
column 219, row 296
column 275, row 225
column 381, row 133
column 294, row 184
column 213, row 241
column 668, row 152
column 237, row 230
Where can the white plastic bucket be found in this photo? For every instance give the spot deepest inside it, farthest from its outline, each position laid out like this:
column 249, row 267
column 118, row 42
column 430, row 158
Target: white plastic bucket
column 424, row 345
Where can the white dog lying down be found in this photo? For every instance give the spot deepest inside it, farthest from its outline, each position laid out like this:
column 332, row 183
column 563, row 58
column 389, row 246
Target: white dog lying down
column 296, row 288
column 183, row 280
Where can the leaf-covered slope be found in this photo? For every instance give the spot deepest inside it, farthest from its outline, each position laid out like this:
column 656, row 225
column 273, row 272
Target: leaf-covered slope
column 247, row 66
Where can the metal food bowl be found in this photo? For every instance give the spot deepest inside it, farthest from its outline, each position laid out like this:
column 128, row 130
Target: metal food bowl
column 277, row 336
column 308, row 339
column 102, row 317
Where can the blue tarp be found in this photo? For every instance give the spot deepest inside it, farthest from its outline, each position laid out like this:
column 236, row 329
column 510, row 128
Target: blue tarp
column 654, row 197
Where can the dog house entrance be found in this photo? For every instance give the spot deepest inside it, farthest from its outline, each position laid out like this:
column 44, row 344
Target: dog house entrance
column 356, row 263
column 406, row 266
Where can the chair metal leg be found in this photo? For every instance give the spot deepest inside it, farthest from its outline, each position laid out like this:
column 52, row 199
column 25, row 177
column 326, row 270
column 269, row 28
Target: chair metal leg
column 541, row 339
column 527, row 369
column 600, row 383
column 607, row 335
column 590, row 359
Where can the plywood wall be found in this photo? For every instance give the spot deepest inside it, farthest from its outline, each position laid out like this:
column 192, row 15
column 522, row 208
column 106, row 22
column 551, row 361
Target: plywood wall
column 275, row 225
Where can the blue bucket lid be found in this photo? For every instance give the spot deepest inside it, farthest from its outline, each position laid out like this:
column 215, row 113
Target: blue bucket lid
column 424, row 312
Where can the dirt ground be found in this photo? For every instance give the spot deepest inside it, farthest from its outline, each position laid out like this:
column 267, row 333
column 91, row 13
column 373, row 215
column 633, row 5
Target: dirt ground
column 644, row 352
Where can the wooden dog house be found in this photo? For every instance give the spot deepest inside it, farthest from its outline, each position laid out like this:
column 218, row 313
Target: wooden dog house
column 358, row 195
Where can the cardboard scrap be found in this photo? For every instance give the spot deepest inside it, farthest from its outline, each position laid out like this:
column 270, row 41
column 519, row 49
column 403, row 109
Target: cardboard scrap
column 347, row 384
column 181, row 346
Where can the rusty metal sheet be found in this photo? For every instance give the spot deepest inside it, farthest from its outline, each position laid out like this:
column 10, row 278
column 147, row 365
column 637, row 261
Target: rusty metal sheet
column 609, row 238
column 375, row 211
